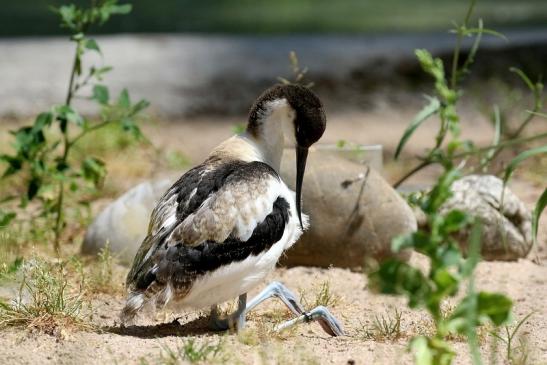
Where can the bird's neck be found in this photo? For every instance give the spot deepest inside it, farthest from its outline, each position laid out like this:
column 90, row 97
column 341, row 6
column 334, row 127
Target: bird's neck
column 273, row 129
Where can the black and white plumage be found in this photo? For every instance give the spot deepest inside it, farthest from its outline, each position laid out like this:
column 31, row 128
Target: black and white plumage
column 221, row 228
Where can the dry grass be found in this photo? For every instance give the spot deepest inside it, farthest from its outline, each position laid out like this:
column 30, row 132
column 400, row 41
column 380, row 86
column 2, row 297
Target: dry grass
column 384, row 327
column 104, row 275
column 46, row 301
column 322, row 295
column 188, row 351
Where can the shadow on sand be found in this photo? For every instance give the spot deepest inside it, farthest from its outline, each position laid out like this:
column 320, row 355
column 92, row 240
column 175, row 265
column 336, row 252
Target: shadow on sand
column 195, row 327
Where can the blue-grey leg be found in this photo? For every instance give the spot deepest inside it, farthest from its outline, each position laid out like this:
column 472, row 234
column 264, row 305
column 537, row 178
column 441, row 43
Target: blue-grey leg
column 319, row 314
column 234, row 320
column 278, row 290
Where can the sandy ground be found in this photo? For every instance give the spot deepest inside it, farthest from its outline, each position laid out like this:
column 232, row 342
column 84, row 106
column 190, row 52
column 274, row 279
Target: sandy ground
column 524, row 281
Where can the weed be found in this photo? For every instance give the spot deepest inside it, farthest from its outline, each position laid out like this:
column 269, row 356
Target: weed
column 45, row 301
column 384, row 327
column 101, row 273
column 515, row 353
column 299, row 73
column 10, row 256
column 189, row 351
column 448, row 270
column 323, row 296
column 43, row 157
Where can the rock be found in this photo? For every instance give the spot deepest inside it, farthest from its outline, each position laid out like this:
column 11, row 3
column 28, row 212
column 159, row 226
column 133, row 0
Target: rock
column 354, row 214
column 123, row 224
column 506, row 235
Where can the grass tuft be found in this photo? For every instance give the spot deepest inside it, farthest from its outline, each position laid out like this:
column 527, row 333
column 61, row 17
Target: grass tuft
column 45, row 301
column 384, row 327
column 188, row 351
column 323, row 296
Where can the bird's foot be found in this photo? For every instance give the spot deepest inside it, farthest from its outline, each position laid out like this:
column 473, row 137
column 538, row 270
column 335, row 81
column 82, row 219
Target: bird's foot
column 235, row 320
column 319, row 314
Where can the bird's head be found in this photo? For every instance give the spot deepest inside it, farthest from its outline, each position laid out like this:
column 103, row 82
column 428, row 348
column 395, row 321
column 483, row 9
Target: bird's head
column 304, row 123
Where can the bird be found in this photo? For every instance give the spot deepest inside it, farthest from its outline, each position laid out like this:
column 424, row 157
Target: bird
column 220, row 229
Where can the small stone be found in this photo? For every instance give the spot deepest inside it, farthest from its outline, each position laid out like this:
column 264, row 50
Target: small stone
column 354, row 213
column 506, row 234
column 123, row 224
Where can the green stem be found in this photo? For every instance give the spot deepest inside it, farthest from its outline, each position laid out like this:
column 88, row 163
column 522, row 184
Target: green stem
column 412, row 172
column 457, row 49
column 67, row 144
column 86, row 131
column 428, row 161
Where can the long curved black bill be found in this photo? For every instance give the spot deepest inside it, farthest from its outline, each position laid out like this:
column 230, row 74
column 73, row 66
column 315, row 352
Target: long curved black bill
column 301, row 157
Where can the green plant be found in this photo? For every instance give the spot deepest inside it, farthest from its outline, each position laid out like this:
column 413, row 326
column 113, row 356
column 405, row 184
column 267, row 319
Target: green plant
column 448, row 92
column 10, row 256
column 45, row 301
column 189, row 351
column 515, row 354
column 384, row 327
column 448, row 269
column 43, row 151
column 101, row 273
column 323, row 296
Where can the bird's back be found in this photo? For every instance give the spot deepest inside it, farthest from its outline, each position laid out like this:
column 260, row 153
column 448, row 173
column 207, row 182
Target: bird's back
column 223, row 213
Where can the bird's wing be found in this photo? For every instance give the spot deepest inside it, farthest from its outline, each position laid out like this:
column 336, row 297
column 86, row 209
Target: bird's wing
column 227, row 211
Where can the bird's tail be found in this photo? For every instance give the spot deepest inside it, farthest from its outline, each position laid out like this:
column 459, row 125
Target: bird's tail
column 152, row 298
column 135, row 302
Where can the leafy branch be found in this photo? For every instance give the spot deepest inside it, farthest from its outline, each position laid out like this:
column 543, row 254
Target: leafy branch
column 46, row 159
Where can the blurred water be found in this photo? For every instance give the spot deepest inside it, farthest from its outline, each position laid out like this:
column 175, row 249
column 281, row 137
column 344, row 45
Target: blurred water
column 181, row 74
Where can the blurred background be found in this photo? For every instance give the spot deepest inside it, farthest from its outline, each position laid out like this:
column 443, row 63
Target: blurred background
column 213, row 57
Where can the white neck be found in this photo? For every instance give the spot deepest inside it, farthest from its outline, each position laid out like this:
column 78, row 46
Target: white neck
column 276, row 130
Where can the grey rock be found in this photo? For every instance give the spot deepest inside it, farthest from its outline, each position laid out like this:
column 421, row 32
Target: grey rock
column 354, row 214
column 506, row 234
column 123, row 224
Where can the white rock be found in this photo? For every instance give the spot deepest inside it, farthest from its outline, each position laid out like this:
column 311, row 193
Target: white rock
column 123, row 223
column 506, row 234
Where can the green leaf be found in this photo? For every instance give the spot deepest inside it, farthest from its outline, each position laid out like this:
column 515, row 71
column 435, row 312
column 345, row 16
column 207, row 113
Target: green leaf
column 91, row 44
column 422, row 353
column 422, row 116
column 15, row 164
column 123, row 100
column 441, row 192
column 446, row 282
column 395, row 277
column 101, row 94
column 497, row 307
column 33, row 187
column 42, row 120
column 94, row 170
column 66, row 113
column 68, row 15
column 129, row 126
column 420, row 241
column 6, row 218
column 524, row 78
column 431, row 351
column 99, row 72
column 454, row 221
column 450, row 255
column 521, row 157
column 140, row 106
column 540, row 206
